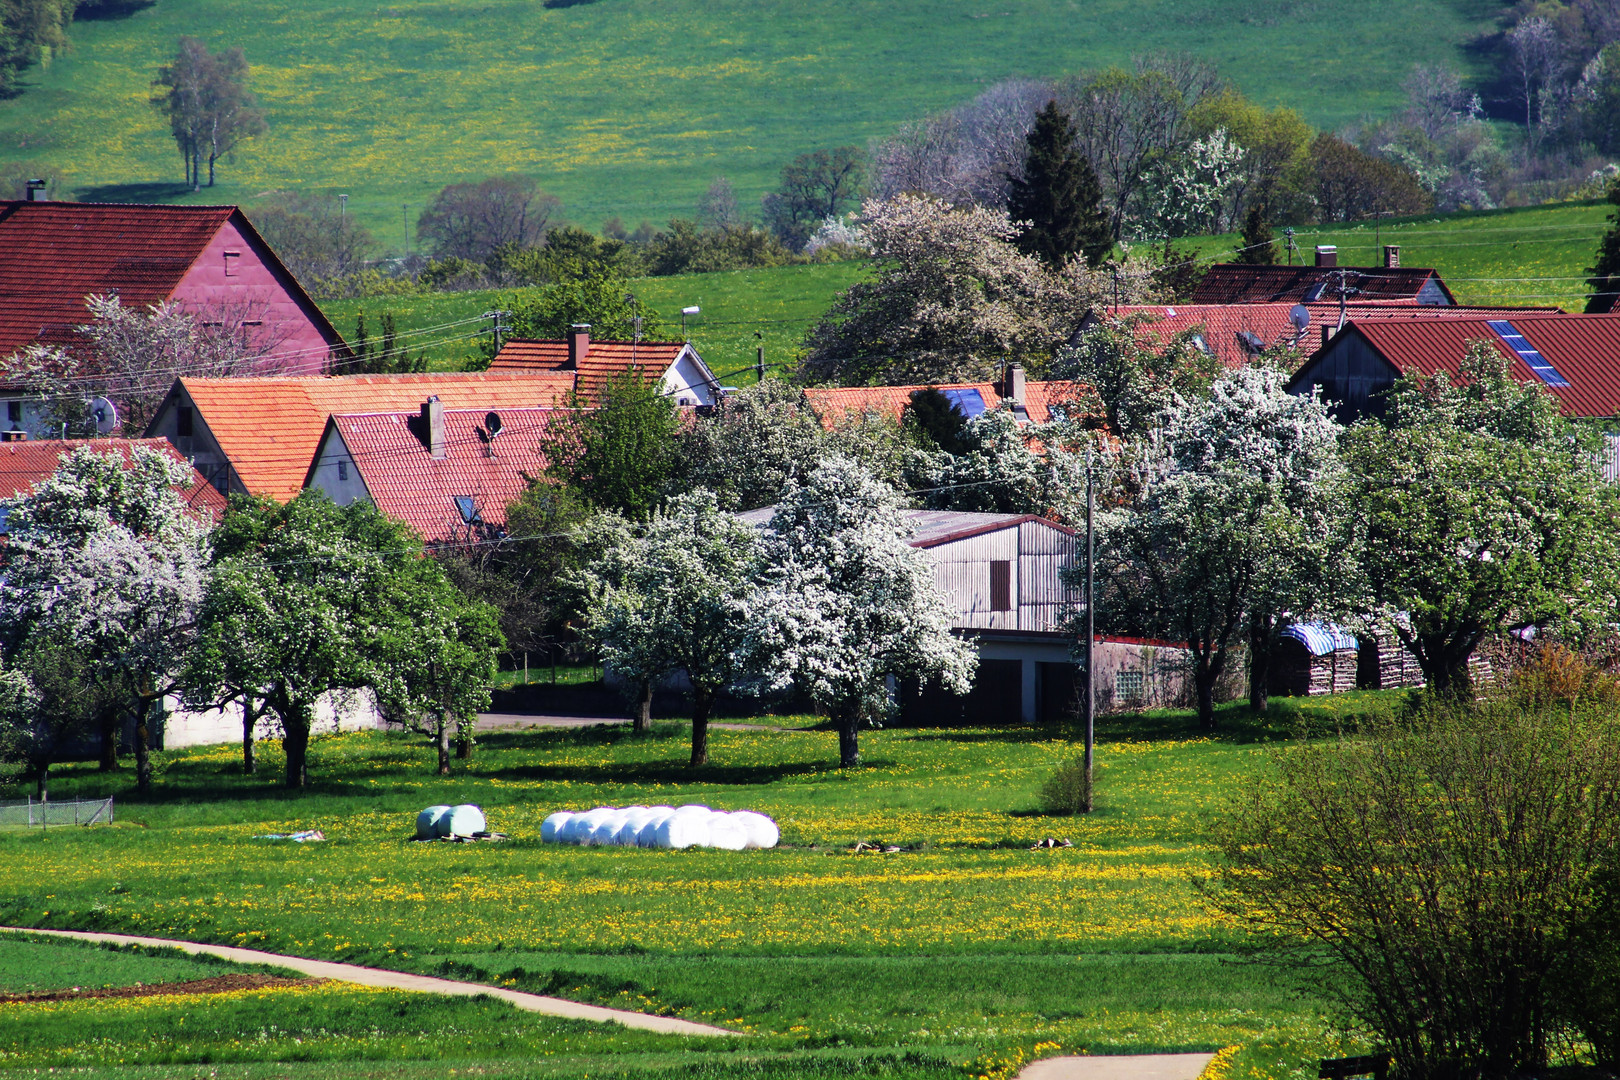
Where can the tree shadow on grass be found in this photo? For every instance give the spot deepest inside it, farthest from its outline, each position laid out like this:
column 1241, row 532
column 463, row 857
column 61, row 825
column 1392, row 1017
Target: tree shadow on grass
column 140, row 192
column 1234, row 724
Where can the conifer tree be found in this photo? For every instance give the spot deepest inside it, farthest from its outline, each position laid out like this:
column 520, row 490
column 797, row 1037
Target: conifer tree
column 1059, row 195
column 1605, row 279
column 1259, row 245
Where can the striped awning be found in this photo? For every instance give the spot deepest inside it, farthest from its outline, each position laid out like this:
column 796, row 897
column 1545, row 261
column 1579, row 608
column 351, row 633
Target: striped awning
column 1320, row 637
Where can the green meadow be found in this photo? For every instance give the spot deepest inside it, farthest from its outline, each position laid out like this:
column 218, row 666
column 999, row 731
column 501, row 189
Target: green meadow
column 630, row 107
column 954, row 955
column 778, row 304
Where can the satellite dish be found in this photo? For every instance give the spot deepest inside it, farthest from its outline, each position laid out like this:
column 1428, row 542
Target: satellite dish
column 492, row 423
column 1300, row 316
column 104, row 414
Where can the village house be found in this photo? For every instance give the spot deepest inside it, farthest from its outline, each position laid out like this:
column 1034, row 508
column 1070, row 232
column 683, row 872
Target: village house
column 1241, row 283
column 1574, row 357
column 674, row 365
column 207, row 259
column 1003, row 577
column 448, row 473
column 258, row 436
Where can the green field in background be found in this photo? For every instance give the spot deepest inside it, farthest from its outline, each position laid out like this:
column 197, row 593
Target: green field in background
column 630, row 107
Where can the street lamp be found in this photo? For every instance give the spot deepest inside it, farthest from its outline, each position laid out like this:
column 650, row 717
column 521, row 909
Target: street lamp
column 685, row 311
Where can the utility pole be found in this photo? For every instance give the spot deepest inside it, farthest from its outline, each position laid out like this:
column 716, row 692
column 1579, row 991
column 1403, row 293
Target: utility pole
column 759, row 357
column 498, row 329
column 1091, row 633
column 1288, row 234
column 343, row 207
column 405, row 225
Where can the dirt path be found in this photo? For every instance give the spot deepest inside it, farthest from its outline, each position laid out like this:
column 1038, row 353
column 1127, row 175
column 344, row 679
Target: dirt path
column 1121, row 1067
column 397, row 980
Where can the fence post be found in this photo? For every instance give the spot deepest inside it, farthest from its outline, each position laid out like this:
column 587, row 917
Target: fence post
column 30, row 811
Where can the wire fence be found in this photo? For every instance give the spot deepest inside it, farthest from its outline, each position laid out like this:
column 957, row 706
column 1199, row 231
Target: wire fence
column 34, row 814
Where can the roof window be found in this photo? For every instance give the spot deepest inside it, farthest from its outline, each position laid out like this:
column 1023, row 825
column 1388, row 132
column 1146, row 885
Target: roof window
column 468, row 509
column 1528, row 353
column 968, row 402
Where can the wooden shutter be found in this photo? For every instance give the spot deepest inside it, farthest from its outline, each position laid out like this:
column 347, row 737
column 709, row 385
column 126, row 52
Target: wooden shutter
column 1000, row 585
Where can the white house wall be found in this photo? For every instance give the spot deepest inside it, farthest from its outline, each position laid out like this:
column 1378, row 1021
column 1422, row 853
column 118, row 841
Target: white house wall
column 335, row 472
column 687, row 379
column 336, row 710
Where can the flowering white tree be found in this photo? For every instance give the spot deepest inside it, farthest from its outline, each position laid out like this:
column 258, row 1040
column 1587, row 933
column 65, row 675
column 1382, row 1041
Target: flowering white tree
column 673, row 598
column 1001, row 468
column 1188, row 195
column 952, row 299
column 757, row 439
column 844, row 602
column 1234, row 518
column 105, row 555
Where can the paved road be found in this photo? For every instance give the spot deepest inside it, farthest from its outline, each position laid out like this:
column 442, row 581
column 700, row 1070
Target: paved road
column 498, row 721
column 396, row 980
column 1122, row 1067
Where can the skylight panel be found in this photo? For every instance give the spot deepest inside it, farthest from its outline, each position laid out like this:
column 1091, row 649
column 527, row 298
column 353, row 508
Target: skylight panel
column 1528, row 353
column 968, row 402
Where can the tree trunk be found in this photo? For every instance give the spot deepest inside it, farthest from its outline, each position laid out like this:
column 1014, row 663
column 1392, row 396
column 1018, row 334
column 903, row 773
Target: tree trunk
column 1447, row 668
column 443, row 743
column 143, row 752
column 642, row 721
column 1204, row 676
column 1259, row 661
column 109, row 742
column 464, row 743
column 702, row 703
column 849, row 737
column 250, row 722
column 42, row 782
column 295, row 719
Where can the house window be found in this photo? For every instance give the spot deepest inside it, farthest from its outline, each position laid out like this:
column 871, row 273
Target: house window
column 183, row 422
column 1000, row 585
column 468, row 509
column 343, row 470
column 14, row 411
column 231, row 263
column 1128, row 686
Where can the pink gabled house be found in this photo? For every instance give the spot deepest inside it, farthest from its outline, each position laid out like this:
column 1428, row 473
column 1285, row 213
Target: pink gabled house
column 208, row 259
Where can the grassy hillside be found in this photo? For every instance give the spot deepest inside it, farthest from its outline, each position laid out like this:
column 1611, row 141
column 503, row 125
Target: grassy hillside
column 631, row 106
column 778, row 303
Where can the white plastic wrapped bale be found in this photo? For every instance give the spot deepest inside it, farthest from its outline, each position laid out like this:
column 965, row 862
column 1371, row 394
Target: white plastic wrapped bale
column 647, row 835
column 427, row 822
column 577, row 830
column 634, row 818
column 605, row 831
column 553, row 824
column 762, row 831
column 463, row 820
column 726, row 832
column 684, row 830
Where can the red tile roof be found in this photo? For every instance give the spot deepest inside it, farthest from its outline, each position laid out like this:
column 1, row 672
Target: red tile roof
column 834, row 404
column 603, row 359
column 408, row 484
column 1585, row 349
column 269, row 428
column 56, row 254
column 1238, row 283
column 25, row 464
column 1220, row 324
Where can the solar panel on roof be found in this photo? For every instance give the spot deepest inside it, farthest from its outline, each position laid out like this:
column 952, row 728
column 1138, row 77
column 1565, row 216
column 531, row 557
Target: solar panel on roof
column 1527, row 352
column 968, row 402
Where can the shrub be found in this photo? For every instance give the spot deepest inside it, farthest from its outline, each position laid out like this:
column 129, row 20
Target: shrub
column 1068, row 789
column 1447, row 865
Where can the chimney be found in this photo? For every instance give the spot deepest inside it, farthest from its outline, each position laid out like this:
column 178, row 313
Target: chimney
column 1327, row 255
column 579, row 344
column 37, row 192
column 433, row 426
column 1392, row 255
column 14, row 435
column 1012, row 385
